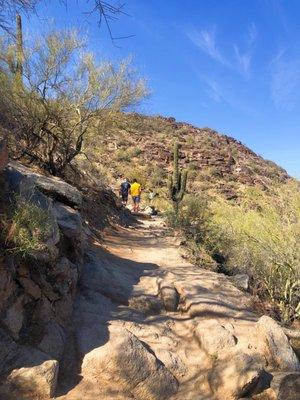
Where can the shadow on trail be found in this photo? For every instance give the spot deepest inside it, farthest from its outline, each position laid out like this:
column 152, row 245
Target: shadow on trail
column 106, row 283
column 105, row 292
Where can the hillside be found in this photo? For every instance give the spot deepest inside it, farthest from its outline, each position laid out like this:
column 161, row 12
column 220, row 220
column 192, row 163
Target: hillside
column 135, row 144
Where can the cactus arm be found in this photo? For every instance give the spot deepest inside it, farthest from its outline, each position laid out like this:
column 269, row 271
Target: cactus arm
column 177, row 181
column 170, row 186
column 179, row 195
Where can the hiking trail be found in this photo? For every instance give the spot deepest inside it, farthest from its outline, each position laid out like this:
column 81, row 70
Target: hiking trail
column 124, row 344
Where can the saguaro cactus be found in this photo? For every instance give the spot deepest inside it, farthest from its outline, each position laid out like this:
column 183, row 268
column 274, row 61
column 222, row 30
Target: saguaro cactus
column 177, row 180
column 16, row 56
column 19, row 52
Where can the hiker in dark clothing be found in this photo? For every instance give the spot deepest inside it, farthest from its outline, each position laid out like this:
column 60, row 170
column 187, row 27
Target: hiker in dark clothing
column 124, row 190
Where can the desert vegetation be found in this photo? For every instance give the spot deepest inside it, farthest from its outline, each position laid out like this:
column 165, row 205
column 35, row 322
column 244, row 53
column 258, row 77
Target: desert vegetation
column 260, row 237
column 54, row 91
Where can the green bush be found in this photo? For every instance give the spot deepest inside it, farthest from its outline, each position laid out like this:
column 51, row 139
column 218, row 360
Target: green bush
column 28, row 228
column 259, row 236
column 262, row 237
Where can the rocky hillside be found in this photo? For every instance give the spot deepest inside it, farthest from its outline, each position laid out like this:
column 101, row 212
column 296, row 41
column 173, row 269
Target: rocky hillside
column 135, row 144
column 123, row 316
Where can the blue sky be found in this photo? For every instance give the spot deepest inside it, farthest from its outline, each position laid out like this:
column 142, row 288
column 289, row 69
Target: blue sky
column 232, row 65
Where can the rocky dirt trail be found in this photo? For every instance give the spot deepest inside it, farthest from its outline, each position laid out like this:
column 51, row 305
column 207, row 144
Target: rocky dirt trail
column 148, row 325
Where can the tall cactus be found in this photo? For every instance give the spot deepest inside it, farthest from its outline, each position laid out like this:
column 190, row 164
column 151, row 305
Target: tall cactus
column 19, row 52
column 16, row 57
column 177, row 181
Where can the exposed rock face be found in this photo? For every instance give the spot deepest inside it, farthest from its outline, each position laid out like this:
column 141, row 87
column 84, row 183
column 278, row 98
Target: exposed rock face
column 134, row 369
column 51, row 186
column 276, row 345
column 37, row 293
column 234, row 379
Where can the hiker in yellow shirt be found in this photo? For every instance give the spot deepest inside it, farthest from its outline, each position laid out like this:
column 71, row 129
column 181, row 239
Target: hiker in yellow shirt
column 135, row 191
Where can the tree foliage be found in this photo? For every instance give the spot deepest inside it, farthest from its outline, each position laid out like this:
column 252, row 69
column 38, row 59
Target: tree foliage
column 64, row 92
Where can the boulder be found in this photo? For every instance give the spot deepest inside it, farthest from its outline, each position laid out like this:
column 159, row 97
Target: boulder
column 70, row 225
column 284, row 386
column 134, row 368
column 69, row 220
column 235, row 377
column 214, row 337
column 52, row 186
column 275, row 345
column 241, row 281
column 38, row 381
column 169, row 296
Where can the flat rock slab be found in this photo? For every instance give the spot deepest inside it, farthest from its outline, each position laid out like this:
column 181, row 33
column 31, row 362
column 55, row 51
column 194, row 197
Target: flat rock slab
column 52, row 186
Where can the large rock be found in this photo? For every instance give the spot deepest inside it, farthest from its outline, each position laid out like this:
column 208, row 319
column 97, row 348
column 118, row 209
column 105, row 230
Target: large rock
column 284, row 386
column 214, row 337
column 235, row 377
column 275, row 345
column 170, row 297
column 125, row 365
column 69, row 220
column 38, row 381
column 28, row 371
column 70, row 224
column 241, row 281
column 51, row 186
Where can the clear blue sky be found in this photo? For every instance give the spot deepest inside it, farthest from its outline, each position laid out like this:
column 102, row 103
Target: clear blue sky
column 232, row 65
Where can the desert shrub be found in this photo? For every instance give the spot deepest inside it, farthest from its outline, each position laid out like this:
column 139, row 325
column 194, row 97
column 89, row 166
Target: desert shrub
column 135, row 151
column 259, row 236
column 27, row 229
column 193, row 217
column 262, row 238
column 157, row 176
column 123, row 155
column 191, row 141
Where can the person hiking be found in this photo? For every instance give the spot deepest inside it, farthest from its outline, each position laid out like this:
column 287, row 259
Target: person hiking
column 124, row 190
column 135, row 191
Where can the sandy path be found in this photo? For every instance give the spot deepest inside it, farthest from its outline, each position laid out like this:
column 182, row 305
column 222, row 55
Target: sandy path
column 119, row 286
